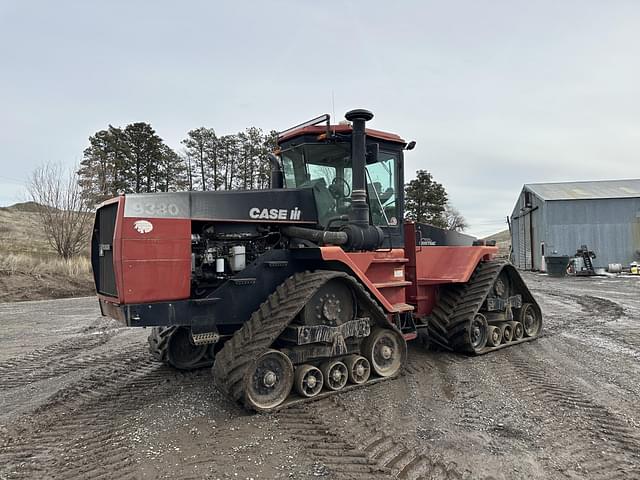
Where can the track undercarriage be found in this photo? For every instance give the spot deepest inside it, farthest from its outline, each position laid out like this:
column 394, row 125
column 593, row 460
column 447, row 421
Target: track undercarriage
column 493, row 310
column 321, row 333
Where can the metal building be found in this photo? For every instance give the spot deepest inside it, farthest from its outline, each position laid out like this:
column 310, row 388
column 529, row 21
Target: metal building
column 560, row 217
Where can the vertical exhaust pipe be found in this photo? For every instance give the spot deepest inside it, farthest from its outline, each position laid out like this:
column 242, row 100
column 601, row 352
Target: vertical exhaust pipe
column 359, row 208
column 277, row 175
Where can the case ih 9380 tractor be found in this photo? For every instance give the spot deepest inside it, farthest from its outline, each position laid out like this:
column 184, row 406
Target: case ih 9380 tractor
column 311, row 287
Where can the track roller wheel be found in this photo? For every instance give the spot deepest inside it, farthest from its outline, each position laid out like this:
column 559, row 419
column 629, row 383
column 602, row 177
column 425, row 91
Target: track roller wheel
column 507, row 332
column 335, row 374
column 308, row 381
column 268, row 380
column 359, row 369
column 386, row 351
column 531, row 320
column 518, row 331
column 494, row 336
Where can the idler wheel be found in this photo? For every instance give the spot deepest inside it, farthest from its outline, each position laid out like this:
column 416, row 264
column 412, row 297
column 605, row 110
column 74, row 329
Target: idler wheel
column 182, row 353
column 386, row 351
column 335, row 374
column 531, row 320
column 358, row 368
column 269, row 380
column 478, row 332
column 308, row 381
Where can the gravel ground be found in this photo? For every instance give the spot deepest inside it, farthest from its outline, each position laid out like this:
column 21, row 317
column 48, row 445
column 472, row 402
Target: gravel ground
column 80, row 398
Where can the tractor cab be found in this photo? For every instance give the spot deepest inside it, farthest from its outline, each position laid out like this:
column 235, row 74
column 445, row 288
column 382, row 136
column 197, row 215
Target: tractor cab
column 321, row 157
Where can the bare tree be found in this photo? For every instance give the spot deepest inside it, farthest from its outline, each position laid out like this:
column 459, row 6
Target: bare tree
column 64, row 213
column 454, row 219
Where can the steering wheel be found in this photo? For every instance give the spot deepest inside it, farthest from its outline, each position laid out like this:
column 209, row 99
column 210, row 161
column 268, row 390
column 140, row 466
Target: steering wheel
column 335, row 192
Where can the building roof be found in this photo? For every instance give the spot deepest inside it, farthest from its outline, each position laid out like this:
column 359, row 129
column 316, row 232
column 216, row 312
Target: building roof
column 586, row 190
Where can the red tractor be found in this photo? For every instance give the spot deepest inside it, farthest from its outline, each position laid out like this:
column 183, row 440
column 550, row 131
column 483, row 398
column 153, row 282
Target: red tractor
column 310, row 287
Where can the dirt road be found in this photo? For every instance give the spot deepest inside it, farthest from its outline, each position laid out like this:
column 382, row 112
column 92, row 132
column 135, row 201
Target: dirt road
column 80, row 398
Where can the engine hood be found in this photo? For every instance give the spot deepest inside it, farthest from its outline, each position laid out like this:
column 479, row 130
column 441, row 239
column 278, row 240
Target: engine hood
column 288, row 206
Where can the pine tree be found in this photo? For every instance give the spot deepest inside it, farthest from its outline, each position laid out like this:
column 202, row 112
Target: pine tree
column 145, row 148
column 100, row 174
column 425, row 200
column 135, row 159
column 201, row 148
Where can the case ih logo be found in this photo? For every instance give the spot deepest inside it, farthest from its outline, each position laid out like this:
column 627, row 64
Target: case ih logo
column 143, row 226
column 275, row 213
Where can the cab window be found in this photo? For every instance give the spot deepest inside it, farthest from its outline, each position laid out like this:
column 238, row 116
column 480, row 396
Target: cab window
column 381, row 190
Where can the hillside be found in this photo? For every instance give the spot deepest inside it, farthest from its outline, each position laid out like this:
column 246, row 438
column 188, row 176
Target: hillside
column 29, row 267
column 503, row 242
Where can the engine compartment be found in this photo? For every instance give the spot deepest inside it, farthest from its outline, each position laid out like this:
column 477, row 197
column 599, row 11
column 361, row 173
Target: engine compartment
column 221, row 250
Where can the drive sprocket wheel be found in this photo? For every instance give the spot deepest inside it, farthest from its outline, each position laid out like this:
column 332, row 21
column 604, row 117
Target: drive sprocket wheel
column 332, row 304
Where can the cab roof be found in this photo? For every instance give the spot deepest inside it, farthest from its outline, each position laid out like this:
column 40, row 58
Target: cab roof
column 321, row 132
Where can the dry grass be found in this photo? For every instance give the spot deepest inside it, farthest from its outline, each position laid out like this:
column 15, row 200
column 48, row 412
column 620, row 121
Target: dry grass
column 503, row 242
column 30, row 268
column 78, row 268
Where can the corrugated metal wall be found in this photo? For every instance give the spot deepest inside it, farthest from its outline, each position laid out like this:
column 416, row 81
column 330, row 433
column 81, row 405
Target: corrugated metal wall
column 610, row 227
column 525, row 255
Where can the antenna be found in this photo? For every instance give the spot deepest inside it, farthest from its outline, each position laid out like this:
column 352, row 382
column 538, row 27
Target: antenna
column 333, row 104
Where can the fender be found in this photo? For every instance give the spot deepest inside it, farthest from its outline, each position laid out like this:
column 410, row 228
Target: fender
column 337, row 254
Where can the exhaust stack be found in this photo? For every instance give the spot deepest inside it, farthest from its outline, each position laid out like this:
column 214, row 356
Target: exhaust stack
column 360, row 233
column 359, row 209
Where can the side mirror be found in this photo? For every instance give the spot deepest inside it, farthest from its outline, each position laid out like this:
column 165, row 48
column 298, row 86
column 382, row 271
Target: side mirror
column 411, row 145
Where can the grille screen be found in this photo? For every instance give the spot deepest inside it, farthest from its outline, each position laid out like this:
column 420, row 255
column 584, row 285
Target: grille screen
column 102, row 250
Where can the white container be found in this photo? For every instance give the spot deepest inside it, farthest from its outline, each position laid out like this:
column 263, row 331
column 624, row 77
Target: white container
column 615, row 268
column 219, row 265
column 238, row 258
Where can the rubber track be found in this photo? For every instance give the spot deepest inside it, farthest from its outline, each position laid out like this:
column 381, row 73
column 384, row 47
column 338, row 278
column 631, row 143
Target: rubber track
column 159, row 343
column 459, row 303
column 269, row 321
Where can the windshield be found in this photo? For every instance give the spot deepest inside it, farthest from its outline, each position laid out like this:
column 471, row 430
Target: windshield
column 327, row 169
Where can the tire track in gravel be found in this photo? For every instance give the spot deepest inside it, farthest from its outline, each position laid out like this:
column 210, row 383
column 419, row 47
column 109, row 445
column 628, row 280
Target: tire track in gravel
column 82, row 432
column 57, row 367
column 613, row 450
column 599, row 316
column 355, row 446
column 13, row 370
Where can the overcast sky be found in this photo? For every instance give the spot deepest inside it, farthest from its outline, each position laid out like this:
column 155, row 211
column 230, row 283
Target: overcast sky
column 496, row 93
